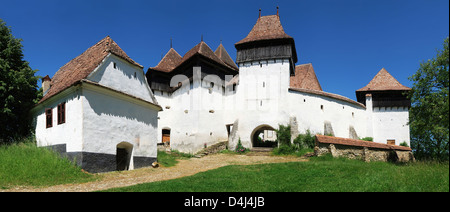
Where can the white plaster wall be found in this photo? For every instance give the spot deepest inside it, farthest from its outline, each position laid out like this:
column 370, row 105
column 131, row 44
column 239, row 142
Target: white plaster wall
column 341, row 114
column 391, row 123
column 110, row 120
column 125, row 77
column 70, row 132
column 262, row 97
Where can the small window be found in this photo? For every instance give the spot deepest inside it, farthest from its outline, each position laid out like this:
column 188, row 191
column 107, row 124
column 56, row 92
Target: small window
column 115, row 65
column 211, row 85
column 62, row 113
column 48, row 117
column 134, row 74
column 391, row 141
column 321, row 107
column 264, row 84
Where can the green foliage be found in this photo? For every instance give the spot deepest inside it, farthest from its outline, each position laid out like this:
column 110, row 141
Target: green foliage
column 240, row 148
column 18, row 88
column 284, row 135
column 24, row 164
column 367, row 139
column 429, row 113
column 404, row 144
column 302, row 142
column 307, row 140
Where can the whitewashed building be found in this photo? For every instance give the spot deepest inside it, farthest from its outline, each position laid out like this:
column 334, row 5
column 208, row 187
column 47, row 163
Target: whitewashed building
column 208, row 98
column 99, row 111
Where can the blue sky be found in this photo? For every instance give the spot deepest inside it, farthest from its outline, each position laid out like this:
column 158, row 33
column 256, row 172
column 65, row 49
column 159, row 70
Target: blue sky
column 347, row 41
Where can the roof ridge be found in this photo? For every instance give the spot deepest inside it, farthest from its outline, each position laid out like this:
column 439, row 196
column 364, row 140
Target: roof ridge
column 266, row 28
column 223, row 55
column 81, row 66
column 383, row 80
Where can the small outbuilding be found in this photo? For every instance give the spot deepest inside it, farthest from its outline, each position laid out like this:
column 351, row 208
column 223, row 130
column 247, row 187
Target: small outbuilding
column 99, row 111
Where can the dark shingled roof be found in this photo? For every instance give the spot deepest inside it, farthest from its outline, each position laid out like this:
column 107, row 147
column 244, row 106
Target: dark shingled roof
column 80, row 67
column 384, row 81
column 305, row 78
column 266, row 28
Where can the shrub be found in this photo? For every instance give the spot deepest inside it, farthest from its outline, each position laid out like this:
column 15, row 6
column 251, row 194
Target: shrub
column 306, row 140
column 284, row 135
column 240, row 148
column 367, row 139
column 404, row 144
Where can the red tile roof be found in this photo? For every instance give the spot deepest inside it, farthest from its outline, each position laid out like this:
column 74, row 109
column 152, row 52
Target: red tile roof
column 266, row 28
column 225, row 57
column 80, row 67
column 383, row 81
column 305, row 77
column 169, row 61
column 172, row 61
column 354, row 142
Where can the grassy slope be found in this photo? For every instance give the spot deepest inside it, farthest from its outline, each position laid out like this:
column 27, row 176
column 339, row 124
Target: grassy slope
column 320, row 174
column 27, row 165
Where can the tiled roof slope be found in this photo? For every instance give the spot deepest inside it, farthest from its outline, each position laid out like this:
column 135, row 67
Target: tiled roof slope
column 266, row 28
column 80, row 67
column 225, row 57
column 383, row 81
column 305, row 78
column 172, row 59
column 169, row 61
column 354, row 142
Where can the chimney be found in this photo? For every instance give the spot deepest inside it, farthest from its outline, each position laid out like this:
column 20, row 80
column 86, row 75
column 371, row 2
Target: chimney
column 46, row 84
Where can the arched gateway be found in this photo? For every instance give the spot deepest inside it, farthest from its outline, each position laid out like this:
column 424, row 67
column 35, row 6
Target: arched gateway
column 264, row 136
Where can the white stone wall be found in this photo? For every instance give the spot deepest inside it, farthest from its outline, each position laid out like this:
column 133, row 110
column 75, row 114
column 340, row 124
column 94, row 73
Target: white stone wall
column 198, row 114
column 124, row 77
column 70, row 132
column 111, row 118
column 391, row 123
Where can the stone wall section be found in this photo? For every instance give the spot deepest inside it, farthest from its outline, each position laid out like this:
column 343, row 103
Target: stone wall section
column 363, row 150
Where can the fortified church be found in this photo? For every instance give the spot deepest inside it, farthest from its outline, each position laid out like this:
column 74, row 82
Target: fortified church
column 102, row 111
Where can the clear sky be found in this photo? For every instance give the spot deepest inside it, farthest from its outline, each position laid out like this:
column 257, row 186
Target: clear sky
column 347, row 41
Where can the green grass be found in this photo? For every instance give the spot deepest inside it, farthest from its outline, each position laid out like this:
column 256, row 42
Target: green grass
column 319, row 174
column 170, row 159
column 24, row 164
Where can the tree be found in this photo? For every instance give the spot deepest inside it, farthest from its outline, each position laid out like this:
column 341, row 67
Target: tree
column 429, row 117
column 18, row 88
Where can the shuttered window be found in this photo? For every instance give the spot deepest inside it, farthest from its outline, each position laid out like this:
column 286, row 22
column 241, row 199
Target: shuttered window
column 48, row 117
column 62, row 113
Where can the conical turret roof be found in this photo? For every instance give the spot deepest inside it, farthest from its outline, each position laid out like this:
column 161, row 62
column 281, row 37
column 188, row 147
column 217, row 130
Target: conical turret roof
column 383, row 81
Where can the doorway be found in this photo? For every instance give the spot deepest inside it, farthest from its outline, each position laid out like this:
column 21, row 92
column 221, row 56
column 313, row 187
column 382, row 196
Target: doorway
column 264, row 136
column 166, row 136
column 123, row 156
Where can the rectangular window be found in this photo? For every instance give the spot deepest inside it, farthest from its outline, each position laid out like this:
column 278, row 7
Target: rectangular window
column 62, row 113
column 391, row 141
column 48, row 117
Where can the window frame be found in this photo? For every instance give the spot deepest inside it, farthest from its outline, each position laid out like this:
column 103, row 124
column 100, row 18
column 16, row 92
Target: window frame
column 62, row 113
column 48, row 118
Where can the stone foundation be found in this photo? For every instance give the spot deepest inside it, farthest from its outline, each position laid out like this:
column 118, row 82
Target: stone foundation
column 363, row 150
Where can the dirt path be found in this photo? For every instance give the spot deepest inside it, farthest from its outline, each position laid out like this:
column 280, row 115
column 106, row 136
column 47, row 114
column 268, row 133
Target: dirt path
column 144, row 175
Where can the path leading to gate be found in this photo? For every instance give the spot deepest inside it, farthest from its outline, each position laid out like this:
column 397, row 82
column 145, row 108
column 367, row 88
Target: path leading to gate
column 184, row 168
